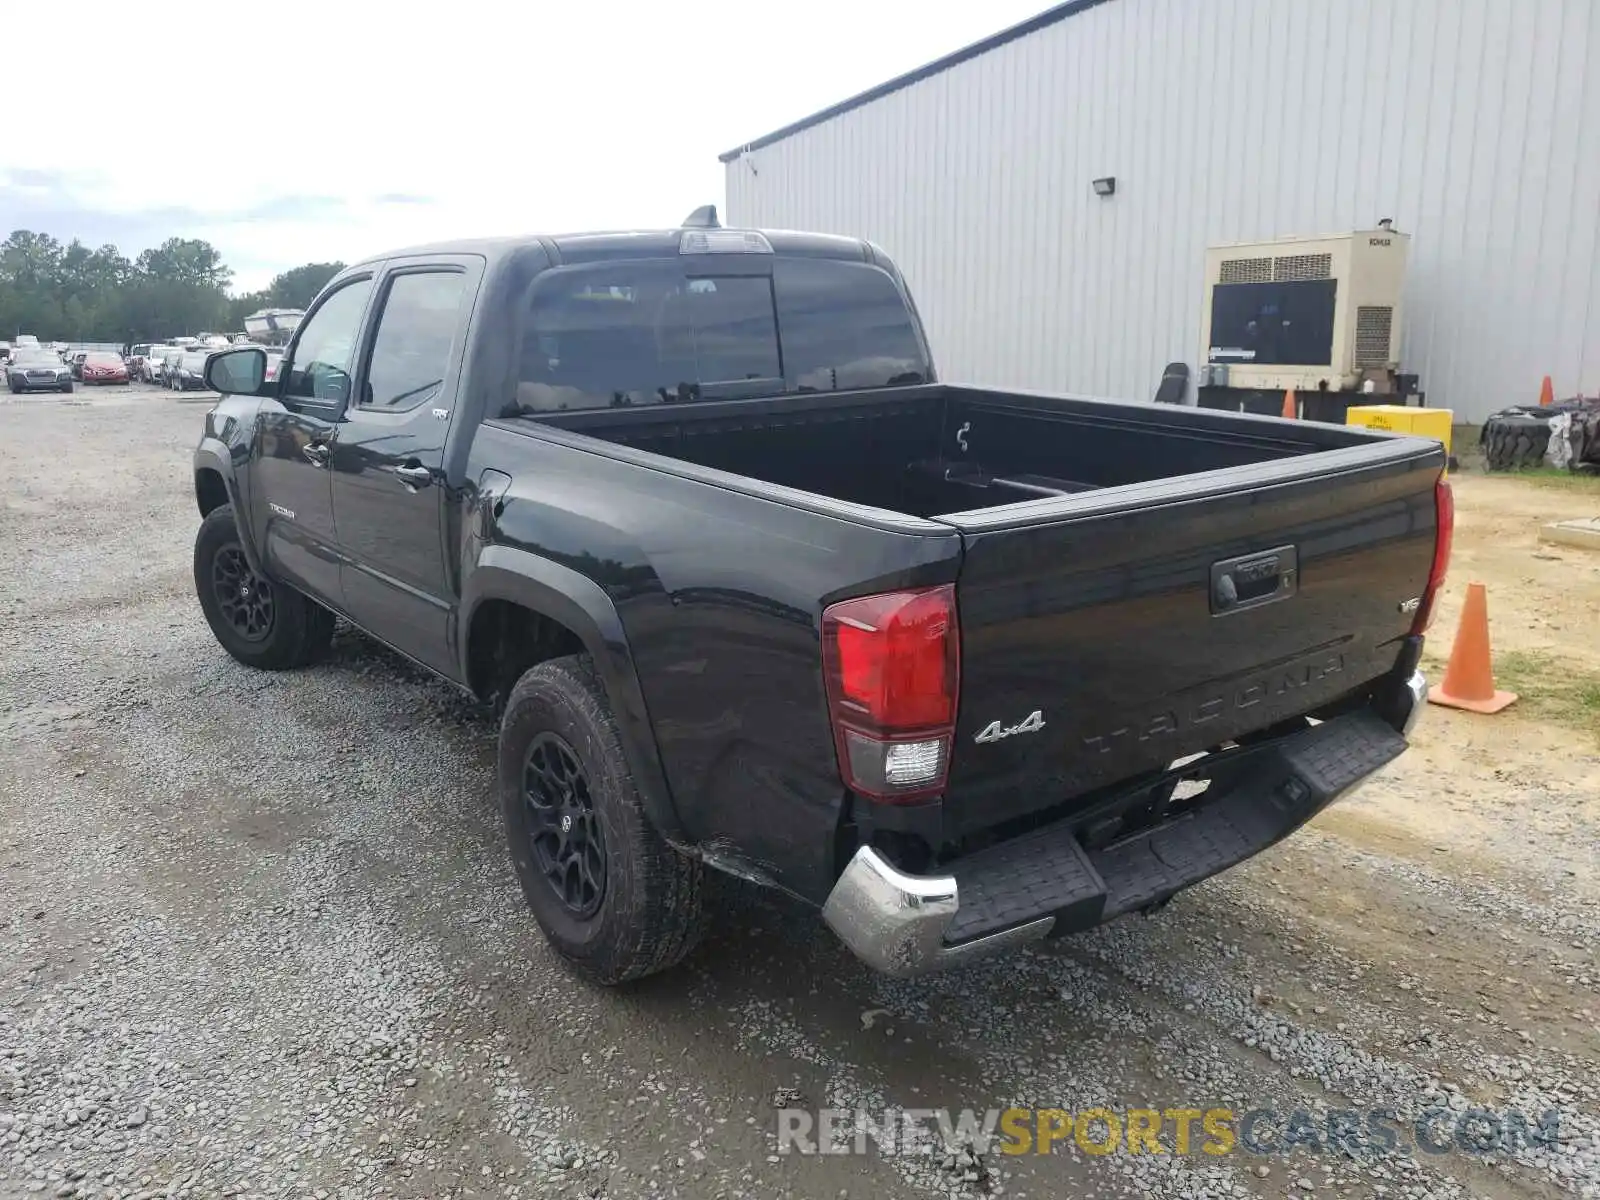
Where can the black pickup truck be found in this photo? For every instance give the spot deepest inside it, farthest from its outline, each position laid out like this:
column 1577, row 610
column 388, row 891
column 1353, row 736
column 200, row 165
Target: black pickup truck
column 960, row 667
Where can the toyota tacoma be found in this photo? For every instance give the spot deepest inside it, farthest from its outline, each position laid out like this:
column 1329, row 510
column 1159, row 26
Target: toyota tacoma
column 756, row 592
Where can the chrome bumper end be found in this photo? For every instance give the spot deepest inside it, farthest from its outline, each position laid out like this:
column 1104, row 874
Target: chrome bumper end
column 1417, row 695
column 895, row 923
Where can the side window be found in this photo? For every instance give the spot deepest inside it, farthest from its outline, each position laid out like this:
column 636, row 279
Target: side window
column 325, row 349
column 421, row 314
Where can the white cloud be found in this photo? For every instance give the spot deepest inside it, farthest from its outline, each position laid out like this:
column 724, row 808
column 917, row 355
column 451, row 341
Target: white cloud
column 504, row 119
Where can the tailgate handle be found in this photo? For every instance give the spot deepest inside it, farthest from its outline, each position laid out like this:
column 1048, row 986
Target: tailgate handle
column 1252, row 580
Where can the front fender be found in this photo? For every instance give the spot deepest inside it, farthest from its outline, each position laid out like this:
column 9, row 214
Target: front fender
column 213, row 455
column 580, row 604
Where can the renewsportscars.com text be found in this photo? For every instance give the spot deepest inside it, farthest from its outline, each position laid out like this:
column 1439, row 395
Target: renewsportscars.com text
column 1372, row 1133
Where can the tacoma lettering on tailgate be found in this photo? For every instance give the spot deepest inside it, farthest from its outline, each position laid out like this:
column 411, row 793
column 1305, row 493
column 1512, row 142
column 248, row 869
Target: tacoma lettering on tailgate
column 1212, row 707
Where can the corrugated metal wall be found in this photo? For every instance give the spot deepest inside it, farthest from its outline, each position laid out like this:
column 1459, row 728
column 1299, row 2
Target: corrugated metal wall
column 1475, row 124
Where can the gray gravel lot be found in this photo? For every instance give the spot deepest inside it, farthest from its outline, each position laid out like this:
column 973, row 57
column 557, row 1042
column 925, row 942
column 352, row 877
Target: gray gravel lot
column 259, row 937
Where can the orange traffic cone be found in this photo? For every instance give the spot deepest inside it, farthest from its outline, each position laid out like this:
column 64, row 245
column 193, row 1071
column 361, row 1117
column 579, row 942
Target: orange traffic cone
column 1469, row 679
column 1290, row 412
column 1547, row 393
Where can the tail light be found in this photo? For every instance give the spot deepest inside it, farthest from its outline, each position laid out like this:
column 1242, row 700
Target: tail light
column 892, row 666
column 1444, row 504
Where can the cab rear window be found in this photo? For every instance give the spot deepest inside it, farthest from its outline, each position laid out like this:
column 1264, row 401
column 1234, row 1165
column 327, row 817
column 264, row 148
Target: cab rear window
column 655, row 332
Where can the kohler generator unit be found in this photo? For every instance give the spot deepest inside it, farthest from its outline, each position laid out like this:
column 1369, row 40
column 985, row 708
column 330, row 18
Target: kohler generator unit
column 1320, row 315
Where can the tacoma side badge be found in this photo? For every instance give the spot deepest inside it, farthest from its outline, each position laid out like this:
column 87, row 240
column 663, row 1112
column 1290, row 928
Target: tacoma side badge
column 994, row 731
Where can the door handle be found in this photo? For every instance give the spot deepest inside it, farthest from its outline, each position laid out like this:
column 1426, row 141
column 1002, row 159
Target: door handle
column 317, row 453
column 1254, row 579
column 414, row 475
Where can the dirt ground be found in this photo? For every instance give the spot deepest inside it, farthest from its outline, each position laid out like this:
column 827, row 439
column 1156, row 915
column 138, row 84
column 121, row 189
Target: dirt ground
column 1530, row 775
column 259, row 935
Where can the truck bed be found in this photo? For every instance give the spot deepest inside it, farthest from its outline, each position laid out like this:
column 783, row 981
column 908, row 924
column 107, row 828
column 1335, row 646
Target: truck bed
column 1095, row 537
column 940, row 449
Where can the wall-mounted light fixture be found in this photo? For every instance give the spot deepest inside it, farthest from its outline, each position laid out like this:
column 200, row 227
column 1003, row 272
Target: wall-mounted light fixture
column 1106, row 186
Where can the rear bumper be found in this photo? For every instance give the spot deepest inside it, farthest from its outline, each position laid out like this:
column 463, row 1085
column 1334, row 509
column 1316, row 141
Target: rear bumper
column 1046, row 883
column 896, row 923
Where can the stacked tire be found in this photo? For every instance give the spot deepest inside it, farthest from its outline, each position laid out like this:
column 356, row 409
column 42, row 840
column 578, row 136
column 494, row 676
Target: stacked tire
column 1586, row 437
column 1514, row 439
column 1517, row 438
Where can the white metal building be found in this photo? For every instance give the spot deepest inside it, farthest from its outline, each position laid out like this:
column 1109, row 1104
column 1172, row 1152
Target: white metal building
column 1474, row 124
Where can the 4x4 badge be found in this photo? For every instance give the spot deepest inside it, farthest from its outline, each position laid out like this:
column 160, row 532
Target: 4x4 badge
column 994, row 731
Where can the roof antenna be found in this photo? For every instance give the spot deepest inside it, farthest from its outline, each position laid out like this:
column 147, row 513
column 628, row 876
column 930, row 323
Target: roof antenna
column 704, row 217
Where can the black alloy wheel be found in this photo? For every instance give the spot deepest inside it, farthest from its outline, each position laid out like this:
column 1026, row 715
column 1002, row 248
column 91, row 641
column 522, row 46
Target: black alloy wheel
column 245, row 599
column 564, row 831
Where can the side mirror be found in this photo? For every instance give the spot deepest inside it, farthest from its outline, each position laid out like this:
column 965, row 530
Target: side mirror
column 329, row 384
column 237, row 372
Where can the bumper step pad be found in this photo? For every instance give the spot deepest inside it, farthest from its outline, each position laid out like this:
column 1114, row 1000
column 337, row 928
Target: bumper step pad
column 1048, row 873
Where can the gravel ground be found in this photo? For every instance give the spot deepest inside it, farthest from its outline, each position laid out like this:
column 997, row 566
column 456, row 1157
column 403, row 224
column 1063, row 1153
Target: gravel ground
column 259, row 937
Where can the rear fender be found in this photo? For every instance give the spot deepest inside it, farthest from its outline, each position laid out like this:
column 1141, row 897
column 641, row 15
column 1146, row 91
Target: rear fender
column 580, row 604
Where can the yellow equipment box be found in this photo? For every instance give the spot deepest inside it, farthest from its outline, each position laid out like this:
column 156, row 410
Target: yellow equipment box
column 1397, row 418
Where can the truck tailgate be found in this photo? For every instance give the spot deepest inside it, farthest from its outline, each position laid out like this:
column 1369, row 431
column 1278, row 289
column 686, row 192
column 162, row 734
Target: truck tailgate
column 1149, row 622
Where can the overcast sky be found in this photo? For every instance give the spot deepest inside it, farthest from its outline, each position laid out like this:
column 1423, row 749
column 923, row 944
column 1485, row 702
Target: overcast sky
column 287, row 132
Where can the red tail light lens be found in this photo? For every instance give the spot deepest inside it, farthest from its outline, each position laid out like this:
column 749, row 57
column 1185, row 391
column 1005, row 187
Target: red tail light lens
column 892, row 666
column 1444, row 503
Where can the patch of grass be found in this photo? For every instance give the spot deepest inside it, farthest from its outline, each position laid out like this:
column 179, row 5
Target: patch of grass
column 1549, row 477
column 1551, row 688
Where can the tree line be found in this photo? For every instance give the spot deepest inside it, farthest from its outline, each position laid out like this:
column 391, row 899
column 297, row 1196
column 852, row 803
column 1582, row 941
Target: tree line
column 70, row 293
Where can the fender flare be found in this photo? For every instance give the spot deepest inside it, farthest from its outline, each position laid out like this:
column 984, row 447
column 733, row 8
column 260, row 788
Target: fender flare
column 582, row 605
column 212, row 455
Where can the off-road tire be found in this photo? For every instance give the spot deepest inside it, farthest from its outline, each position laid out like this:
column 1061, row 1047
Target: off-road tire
column 1514, row 441
column 652, row 908
column 300, row 629
column 1586, row 437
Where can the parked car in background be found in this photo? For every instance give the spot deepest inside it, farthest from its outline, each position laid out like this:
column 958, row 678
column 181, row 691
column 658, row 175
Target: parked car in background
column 5, row 351
column 189, row 371
column 103, row 366
column 138, row 354
column 32, row 369
column 274, row 359
column 75, row 363
column 170, row 357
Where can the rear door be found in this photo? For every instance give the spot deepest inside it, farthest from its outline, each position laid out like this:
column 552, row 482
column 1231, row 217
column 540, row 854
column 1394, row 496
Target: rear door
column 1107, row 634
column 389, row 493
column 295, row 436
